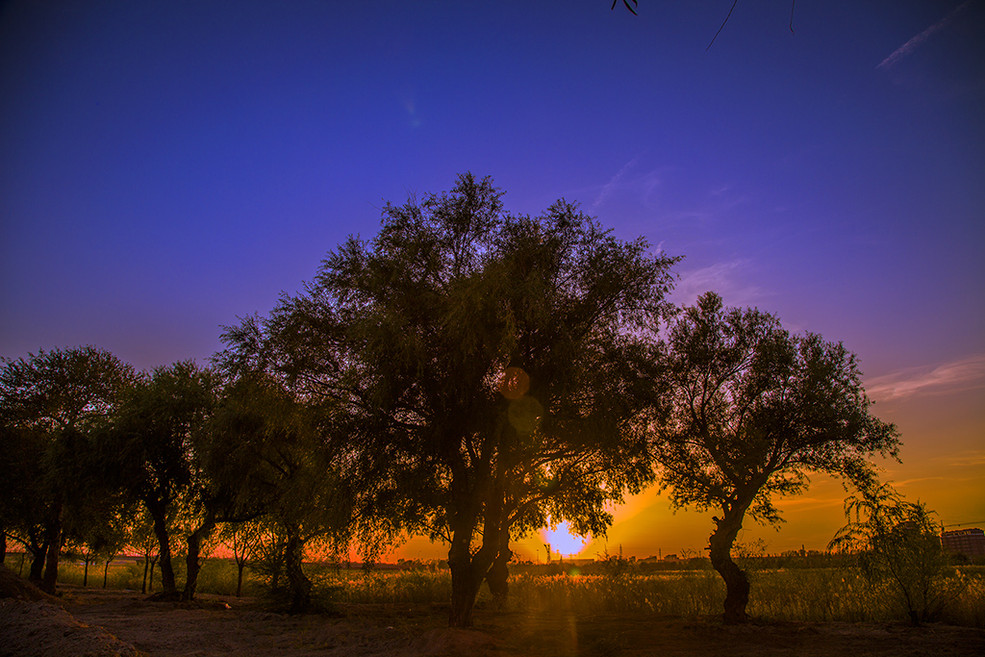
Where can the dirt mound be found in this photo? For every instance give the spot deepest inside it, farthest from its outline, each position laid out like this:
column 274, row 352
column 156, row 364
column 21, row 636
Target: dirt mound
column 41, row 629
column 14, row 586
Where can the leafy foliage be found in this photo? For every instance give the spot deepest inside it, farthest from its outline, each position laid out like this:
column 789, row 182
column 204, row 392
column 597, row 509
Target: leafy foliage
column 752, row 409
column 899, row 542
column 155, row 451
column 52, row 405
column 486, row 364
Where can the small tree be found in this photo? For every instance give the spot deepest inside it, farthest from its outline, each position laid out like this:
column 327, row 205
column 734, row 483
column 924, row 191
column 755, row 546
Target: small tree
column 751, row 410
column 244, row 539
column 144, row 542
column 899, row 543
column 150, row 449
column 281, row 454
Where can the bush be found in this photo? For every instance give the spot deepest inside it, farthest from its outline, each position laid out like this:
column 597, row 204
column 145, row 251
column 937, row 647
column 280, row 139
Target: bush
column 897, row 545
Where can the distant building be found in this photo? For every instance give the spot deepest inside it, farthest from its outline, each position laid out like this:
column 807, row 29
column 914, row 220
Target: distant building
column 969, row 542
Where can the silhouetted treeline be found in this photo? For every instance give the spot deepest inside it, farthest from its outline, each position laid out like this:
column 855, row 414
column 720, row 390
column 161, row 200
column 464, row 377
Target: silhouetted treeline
column 469, row 374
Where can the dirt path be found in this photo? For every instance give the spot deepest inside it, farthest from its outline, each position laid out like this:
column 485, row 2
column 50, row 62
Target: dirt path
column 107, row 623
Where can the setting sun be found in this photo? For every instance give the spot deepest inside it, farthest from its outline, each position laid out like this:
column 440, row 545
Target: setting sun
column 563, row 542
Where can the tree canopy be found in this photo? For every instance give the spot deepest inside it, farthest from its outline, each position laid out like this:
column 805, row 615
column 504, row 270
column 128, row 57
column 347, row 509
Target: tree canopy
column 51, row 405
column 487, row 363
column 751, row 410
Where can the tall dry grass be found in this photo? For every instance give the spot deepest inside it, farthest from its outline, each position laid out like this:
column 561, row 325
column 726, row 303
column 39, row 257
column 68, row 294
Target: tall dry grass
column 802, row 594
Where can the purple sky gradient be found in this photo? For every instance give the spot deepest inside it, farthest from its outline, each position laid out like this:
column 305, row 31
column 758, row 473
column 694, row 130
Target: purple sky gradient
column 168, row 166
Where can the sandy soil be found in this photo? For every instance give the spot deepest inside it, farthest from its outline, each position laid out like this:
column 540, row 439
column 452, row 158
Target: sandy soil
column 99, row 623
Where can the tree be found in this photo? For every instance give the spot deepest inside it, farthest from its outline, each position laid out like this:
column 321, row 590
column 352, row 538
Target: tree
column 22, row 505
column 56, row 401
column 490, row 366
column 244, row 539
column 632, row 5
column 150, row 448
column 899, row 543
column 144, row 541
column 751, row 410
column 283, row 454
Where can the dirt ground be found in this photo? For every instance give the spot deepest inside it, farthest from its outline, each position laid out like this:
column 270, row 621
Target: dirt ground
column 98, row 623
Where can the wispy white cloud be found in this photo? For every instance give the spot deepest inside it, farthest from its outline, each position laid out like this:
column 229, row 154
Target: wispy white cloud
column 614, row 182
column 964, row 374
column 801, row 503
column 631, row 183
column 919, row 39
column 916, row 480
column 725, row 278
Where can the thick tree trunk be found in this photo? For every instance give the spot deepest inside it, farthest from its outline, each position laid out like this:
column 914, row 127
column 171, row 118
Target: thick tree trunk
column 85, row 573
column 498, row 577
column 164, row 542
column 37, row 563
column 54, row 540
column 464, row 582
column 467, row 574
column 299, row 585
column 192, row 559
column 106, row 570
column 736, row 582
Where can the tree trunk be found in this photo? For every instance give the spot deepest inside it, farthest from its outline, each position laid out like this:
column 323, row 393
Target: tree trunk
column 161, row 531
column 192, row 560
column 498, row 577
column 85, row 573
column 106, row 570
column 298, row 584
column 736, row 582
column 54, row 541
column 3, row 545
column 143, row 585
column 467, row 573
column 239, row 577
column 37, row 563
column 38, row 548
column 150, row 582
column 464, row 588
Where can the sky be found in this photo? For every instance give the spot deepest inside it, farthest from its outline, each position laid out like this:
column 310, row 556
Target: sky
column 167, row 167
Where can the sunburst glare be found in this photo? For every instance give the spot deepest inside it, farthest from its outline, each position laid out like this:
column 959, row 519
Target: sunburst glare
column 563, row 542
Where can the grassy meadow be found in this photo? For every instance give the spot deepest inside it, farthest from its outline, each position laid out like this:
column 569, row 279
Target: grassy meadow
column 781, row 594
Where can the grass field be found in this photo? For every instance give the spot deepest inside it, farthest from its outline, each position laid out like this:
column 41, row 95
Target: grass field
column 797, row 594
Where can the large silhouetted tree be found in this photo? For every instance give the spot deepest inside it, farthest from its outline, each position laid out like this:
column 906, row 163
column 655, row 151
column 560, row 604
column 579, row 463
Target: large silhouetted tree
column 753, row 409
column 51, row 405
column 488, row 364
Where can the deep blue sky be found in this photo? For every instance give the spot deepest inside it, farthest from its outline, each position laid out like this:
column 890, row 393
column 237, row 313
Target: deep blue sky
column 167, row 166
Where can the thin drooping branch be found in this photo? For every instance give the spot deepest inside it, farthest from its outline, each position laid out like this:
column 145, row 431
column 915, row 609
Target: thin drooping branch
column 731, row 9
